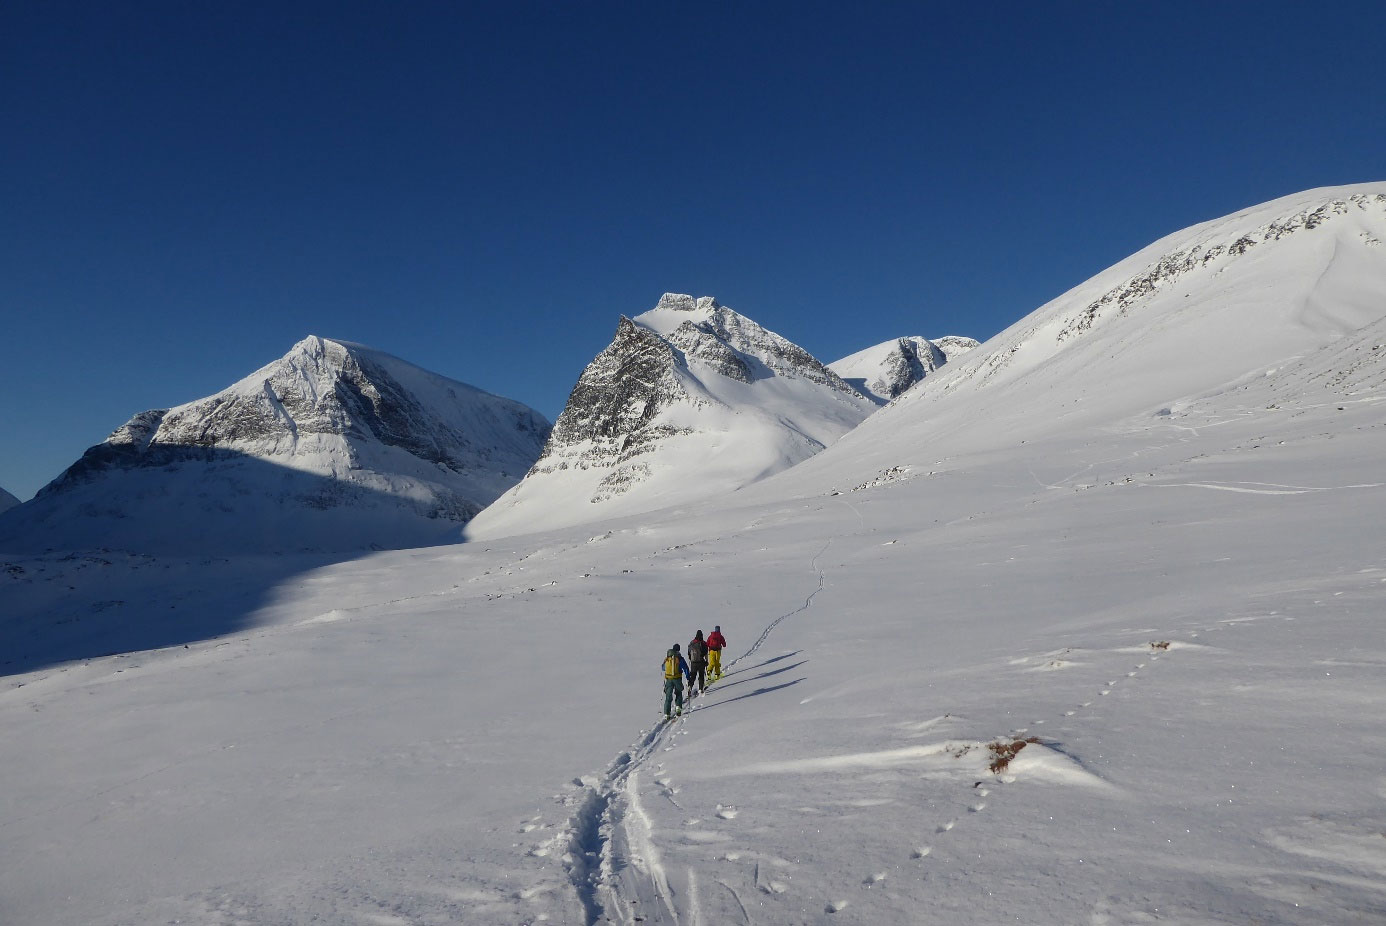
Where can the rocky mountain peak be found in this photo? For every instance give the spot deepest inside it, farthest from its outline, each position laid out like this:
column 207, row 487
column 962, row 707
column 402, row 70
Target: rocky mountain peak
column 689, row 399
column 681, row 302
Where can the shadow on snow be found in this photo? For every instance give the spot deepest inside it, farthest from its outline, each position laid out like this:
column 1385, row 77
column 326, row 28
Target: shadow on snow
column 123, row 560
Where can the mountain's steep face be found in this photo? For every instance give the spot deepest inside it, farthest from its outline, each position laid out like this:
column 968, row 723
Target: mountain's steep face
column 7, row 501
column 690, row 399
column 621, row 391
column 886, row 370
column 333, row 447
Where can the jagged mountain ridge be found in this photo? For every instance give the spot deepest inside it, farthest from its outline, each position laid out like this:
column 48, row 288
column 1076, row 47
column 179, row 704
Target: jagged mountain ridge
column 884, row 371
column 689, row 399
column 7, row 501
column 333, row 446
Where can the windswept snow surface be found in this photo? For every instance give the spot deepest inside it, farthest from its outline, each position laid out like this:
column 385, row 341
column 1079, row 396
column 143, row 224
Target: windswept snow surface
column 1120, row 664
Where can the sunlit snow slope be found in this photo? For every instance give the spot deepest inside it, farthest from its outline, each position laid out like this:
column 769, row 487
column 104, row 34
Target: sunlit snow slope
column 334, row 446
column 1086, row 630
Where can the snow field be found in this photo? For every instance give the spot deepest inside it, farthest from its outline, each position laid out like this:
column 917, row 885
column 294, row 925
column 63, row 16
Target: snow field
column 1090, row 641
column 433, row 735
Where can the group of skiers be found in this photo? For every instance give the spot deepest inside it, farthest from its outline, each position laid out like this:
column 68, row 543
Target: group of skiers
column 704, row 666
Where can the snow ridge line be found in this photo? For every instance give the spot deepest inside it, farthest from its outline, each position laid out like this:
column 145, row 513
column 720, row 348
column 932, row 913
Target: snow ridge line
column 765, row 634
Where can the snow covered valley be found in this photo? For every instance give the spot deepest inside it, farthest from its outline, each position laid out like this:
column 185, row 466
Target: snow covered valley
column 1037, row 643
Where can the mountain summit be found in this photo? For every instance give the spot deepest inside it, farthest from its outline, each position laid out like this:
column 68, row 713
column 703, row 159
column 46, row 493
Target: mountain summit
column 334, row 446
column 886, row 370
column 690, row 399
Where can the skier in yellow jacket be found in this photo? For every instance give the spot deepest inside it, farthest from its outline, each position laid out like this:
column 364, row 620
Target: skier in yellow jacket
column 675, row 671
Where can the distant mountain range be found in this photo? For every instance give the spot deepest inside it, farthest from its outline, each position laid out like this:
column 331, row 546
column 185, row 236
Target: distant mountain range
column 339, row 447
column 332, row 447
column 336, row 446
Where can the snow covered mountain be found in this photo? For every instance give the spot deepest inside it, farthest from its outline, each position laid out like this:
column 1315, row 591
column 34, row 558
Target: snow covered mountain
column 886, row 370
column 7, row 501
column 690, row 400
column 332, row 447
column 1083, row 628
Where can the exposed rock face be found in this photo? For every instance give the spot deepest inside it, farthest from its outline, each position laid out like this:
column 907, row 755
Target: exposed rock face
column 701, row 342
column 331, row 425
column 621, row 391
column 689, row 399
column 885, row 371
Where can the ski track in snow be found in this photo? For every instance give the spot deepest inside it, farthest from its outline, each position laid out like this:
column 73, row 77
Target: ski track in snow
column 1265, row 488
column 612, row 827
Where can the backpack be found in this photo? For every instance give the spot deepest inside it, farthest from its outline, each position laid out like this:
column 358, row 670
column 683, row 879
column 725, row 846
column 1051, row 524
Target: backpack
column 697, row 651
column 671, row 667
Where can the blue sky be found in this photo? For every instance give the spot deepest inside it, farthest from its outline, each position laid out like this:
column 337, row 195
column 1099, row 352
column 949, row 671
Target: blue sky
column 188, row 188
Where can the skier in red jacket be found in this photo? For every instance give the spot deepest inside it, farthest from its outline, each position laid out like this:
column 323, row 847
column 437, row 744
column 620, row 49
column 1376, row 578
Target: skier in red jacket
column 715, row 642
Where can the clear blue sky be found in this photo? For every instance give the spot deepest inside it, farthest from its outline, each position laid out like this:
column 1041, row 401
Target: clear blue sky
column 188, row 188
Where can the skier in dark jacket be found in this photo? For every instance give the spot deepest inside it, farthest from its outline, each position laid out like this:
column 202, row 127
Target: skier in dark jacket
column 675, row 671
column 697, row 658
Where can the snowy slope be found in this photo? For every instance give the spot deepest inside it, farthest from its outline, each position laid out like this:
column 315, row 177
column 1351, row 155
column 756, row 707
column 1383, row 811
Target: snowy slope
column 7, row 501
column 1105, row 667
column 884, row 371
column 333, row 447
column 691, row 400
column 1200, row 312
